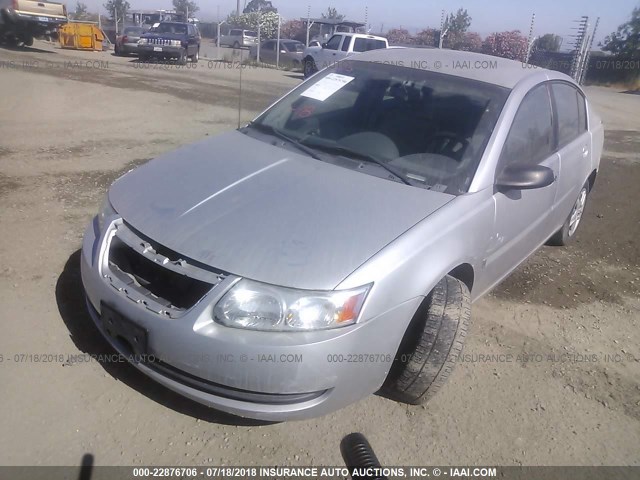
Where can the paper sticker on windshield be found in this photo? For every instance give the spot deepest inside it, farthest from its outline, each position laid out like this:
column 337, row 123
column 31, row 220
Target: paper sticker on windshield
column 327, row 86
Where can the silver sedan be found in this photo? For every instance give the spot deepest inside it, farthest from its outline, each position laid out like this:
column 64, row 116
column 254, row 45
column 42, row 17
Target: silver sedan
column 332, row 248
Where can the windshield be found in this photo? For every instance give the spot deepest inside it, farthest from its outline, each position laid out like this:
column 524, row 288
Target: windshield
column 176, row 28
column 431, row 127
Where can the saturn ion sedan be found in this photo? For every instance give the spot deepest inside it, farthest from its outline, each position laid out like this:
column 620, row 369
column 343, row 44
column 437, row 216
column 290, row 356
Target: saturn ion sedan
column 332, row 247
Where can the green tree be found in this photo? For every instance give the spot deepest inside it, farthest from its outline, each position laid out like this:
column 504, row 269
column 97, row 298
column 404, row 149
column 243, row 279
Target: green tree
column 456, row 25
column 626, row 40
column 185, row 7
column 117, row 9
column 333, row 14
column 548, row 42
column 81, row 11
column 260, row 6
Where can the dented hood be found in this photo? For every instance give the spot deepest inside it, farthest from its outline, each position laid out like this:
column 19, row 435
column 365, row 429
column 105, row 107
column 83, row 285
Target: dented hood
column 263, row 212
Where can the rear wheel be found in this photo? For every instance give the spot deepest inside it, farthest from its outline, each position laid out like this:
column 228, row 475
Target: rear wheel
column 27, row 40
column 432, row 343
column 567, row 233
column 236, row 45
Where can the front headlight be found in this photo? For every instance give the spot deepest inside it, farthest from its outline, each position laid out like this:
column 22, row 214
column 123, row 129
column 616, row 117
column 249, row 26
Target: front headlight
column 259, row 306
column 106, row 211
column 176, row 43
column 143, row 41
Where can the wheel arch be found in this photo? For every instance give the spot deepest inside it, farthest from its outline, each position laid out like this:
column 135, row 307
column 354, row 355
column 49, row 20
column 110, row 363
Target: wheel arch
column 465, row 273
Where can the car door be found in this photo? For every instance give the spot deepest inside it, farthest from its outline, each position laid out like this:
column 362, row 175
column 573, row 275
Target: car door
column 329, row 52
column 191, row 40
column 522, row 216
column 573, row 146
column 267, row 53
column 344, row 48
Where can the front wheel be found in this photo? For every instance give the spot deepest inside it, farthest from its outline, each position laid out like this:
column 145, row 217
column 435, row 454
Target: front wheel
column 309, row 67
column 195, row 57
column 567, row 233
column 432, row 343
column 182, row 59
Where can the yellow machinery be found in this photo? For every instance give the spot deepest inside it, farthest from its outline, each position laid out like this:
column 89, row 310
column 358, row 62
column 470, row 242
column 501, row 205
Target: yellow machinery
column 81, row 36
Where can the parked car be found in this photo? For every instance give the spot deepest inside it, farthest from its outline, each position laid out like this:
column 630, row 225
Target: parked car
column 238, row 38
column 333, row 246
column 166, row 40
column 339, row 47
column 127, row 43
column 22, row 20
column 291, row 52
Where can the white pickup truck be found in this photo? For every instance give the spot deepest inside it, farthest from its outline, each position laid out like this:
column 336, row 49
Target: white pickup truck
column 338, row 47
column 21, row 20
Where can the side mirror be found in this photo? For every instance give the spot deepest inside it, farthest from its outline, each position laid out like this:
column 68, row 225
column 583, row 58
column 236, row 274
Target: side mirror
column 525, row 177
column 324, row 45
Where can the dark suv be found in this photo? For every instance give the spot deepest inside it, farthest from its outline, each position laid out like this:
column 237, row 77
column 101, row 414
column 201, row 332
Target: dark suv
column 170, row 40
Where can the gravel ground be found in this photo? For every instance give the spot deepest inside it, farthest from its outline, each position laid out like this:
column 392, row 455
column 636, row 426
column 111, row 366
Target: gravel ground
column 568, row 318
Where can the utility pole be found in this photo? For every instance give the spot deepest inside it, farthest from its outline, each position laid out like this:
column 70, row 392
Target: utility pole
column 308, row 22
column 278, row 47
column 238, row 9
column 530, row 39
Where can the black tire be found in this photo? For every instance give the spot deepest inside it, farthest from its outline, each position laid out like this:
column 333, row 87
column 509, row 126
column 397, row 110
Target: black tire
column 431, row 346
column 567, row 232
column 196, row 56
column 182, row 59
column 28, row 40
column 309, row 67
column 236, row 45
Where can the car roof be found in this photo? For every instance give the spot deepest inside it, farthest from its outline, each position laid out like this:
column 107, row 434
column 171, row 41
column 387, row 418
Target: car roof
column 476, row 66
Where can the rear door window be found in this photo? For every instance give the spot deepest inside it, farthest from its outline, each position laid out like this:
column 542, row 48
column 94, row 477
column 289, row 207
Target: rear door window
column 366, row 44
column 235, row 32
column 346, row 44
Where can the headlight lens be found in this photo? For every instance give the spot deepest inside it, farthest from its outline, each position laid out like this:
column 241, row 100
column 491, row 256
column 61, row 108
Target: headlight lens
column 259, row 306
column 176, row 43
column 143, row 41
column 106, row 211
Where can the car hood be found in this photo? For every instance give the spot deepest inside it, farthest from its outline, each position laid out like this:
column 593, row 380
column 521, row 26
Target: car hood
column 263, row 212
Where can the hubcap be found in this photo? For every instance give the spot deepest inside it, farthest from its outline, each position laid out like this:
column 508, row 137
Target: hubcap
column 576, row 213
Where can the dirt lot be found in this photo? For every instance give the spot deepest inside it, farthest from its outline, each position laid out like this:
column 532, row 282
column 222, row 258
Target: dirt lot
column 69, row 128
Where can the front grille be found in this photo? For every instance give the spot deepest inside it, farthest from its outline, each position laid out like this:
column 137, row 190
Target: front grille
column 159, row 41
column 155, row 276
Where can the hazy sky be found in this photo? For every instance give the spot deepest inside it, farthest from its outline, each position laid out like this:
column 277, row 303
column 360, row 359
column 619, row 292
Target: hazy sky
column 555, row 16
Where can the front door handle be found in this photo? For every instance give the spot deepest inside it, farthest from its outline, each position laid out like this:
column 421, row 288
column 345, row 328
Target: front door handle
column 585, row 151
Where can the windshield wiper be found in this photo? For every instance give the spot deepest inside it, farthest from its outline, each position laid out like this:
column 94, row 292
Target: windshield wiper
column 268, row 129
column 355, row 154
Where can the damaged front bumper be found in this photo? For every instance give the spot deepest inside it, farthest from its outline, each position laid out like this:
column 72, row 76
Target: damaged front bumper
column 265, row 375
